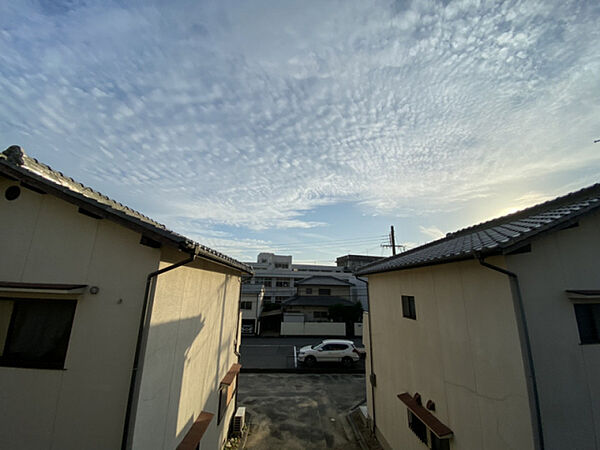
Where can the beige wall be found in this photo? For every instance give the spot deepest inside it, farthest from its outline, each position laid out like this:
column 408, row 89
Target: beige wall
column 250, row 313
column 462, row 352
column 191, row 343
column 568, row 373
column 45, row 240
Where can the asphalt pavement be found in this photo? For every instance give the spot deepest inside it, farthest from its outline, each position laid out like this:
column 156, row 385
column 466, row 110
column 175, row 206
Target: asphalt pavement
column 300, row 411
column 276, row 354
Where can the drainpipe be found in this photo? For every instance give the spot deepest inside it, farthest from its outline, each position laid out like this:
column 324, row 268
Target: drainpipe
column 136, row 372
column 538, row 435
column 372, row 374
column 237, row 345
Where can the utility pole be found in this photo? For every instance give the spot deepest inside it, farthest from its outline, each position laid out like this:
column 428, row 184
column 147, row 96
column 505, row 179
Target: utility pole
column 392, row 243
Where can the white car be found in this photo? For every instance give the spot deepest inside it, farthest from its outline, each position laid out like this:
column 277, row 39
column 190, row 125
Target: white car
column 330, row 350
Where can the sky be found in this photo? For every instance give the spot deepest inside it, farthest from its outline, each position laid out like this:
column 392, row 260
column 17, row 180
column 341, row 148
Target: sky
column 308, row 128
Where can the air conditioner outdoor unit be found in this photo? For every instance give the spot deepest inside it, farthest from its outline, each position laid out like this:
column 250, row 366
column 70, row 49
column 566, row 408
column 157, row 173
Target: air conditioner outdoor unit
column 239, row 419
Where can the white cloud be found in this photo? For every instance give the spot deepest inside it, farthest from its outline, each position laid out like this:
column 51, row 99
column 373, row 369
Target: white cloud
column 253, row 114
column 432, row 232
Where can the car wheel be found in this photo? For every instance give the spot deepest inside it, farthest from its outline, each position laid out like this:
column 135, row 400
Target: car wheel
column 347, row 362
column 310, row 361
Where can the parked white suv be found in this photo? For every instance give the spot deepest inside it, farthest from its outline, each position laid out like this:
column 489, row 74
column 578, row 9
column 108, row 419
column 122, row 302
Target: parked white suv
column 330, row 350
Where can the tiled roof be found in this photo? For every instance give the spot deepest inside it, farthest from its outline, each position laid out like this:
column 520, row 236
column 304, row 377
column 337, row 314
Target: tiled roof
column 15, row 164
column 323, row 280
column 316, row 300
column 501, row 235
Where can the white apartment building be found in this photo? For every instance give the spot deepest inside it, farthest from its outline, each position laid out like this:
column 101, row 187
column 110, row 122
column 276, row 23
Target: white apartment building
column 279, row 276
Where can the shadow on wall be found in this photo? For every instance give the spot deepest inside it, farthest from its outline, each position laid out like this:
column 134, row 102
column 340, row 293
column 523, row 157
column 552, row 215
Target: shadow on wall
column 188, row 355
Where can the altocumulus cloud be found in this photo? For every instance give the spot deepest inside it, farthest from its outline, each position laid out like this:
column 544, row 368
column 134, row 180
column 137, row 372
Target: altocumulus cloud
column 252, row 113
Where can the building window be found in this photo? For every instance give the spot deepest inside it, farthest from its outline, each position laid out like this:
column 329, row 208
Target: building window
column 320, row 314
column 281, row 266
column 282, row 283
column 588, row 322
column 309, row 290
column 417, row 427
column 433, row 433
column 227, row 390
column 246, row 305
column 408, row 307
column 324, row 291
column 35, row 333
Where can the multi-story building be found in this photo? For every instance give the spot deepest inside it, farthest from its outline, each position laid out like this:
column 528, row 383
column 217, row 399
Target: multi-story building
column 279, row 275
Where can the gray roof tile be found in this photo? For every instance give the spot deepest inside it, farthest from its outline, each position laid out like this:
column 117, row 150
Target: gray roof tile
column 17, row 165
column 497, row 235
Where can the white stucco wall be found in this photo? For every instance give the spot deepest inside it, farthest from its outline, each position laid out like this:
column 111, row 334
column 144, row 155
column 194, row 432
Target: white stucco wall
column 313, row 328
column 45, row 240
column 462, row 352
column 568, row 373
column 191, row 343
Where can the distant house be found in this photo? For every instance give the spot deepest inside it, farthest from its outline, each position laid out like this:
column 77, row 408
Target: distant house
column 115, row 332
column 251, row 307
column 316, row 297
column 279, row 275
column 489, row 338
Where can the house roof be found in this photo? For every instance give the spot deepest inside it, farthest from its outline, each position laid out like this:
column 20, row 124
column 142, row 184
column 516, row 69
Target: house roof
column 498, row 236
column 16, row 165
column 323, row 280
column 252, row 288
column 316, row 300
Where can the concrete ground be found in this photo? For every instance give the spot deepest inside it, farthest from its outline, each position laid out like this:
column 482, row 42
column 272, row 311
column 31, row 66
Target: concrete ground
column 278, row 353
column 300, row 411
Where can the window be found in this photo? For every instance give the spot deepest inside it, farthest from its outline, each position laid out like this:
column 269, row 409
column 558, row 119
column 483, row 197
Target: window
column 246, row 305
column 35, row 333
column 588, row 322
column 282, row 283
column 408, row 307
column 281, row 266
column 417, row 427
column 439, row 444
column 309, row 290
column 428, row 428
column 324, row 291
column 320, row 314
column 265, row 281
column 227, row 390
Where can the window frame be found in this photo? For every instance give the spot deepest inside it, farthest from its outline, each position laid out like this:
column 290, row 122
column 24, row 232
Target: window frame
column 409, row 309
column 227, row 390
column 580, row 318
column 244, row 305
column 69, row 305
column 324, row 291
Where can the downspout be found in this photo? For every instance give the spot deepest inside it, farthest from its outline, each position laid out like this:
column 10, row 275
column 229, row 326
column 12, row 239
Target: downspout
column 372, row 379
column 136, row 371
column 237, row 344
column 538, row 436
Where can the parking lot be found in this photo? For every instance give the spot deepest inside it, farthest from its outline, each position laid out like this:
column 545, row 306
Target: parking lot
column 300, row 411
column 277, row 353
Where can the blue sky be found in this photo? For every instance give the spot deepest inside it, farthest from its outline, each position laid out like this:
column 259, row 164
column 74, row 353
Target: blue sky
column 308, row 128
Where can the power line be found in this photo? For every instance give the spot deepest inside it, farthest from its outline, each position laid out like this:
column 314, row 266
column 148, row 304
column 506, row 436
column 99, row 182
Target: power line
column 377, row 237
